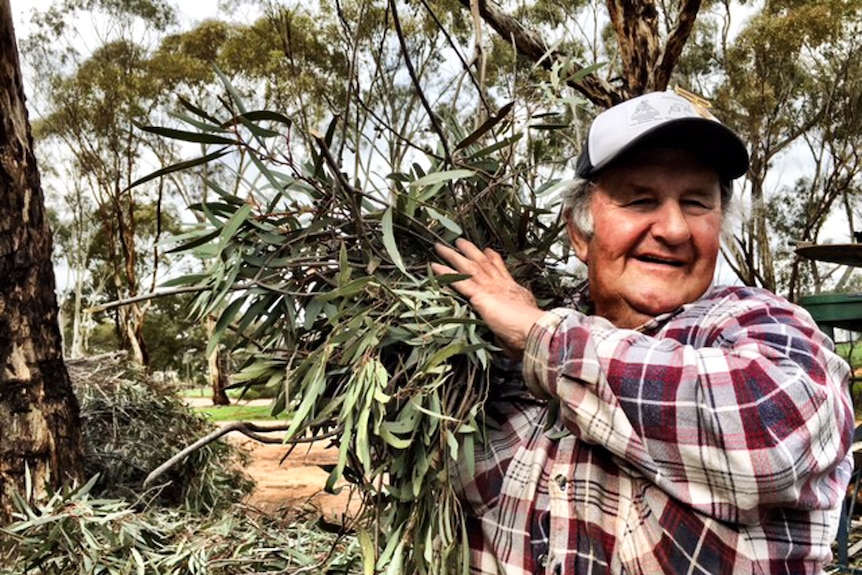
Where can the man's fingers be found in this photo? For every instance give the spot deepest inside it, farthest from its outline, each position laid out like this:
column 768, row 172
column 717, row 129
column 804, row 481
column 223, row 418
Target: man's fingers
column 497, row 261
column 486, row 268
column 470, row 250
column 464, row 287
column 452, row 256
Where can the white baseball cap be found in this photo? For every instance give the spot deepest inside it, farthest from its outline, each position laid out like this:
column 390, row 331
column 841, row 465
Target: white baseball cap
column 661, row 119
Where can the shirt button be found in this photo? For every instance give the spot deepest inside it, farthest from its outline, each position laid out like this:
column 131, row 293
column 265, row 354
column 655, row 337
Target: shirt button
column 561, row 481
column 542, row 560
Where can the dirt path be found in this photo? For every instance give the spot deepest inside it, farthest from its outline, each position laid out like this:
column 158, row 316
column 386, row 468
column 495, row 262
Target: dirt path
column 286, row 483
column 295, row 482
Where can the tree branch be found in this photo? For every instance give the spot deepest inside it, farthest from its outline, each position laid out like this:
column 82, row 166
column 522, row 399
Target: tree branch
column 676, row 41
column 635, row 26
column 149, row 296
column 529, row 44
column 248, row 429
column 425, row 104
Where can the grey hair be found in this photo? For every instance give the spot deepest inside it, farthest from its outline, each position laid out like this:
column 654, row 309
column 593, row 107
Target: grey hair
column 576, row 203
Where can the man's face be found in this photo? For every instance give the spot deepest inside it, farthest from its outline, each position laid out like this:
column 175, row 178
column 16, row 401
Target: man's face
column 657, row 221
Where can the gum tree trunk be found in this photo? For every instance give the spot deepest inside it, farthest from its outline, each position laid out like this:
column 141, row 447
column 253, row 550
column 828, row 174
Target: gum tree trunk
column 39, row 421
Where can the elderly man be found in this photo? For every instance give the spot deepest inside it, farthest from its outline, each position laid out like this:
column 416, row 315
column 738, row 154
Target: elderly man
column 667, row 426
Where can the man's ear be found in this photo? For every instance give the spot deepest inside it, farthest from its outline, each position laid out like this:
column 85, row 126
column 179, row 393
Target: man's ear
column 580, row 243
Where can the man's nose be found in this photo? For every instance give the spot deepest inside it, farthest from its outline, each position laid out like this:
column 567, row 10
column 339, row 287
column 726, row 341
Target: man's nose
column 671, row 224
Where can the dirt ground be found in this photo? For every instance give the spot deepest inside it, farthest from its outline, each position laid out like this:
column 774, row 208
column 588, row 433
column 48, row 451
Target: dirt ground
column 289, row 483
column 293, row 483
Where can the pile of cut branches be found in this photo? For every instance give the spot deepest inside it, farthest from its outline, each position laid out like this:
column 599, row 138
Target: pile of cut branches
column 327, row 286
column 132, row 423
column 75, row 531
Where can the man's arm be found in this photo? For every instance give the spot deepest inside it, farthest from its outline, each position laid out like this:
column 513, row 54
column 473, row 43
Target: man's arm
column 750, row 413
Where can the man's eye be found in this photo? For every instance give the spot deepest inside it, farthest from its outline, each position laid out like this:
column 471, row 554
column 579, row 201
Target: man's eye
column 698, row 204
column 640, row 202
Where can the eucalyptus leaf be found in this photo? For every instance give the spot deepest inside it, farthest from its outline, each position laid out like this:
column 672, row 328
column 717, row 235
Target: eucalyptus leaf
column 389, row 240
column 441, row 177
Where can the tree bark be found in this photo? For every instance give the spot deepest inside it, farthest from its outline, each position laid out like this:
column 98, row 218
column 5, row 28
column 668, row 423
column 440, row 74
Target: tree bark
column 39, row 420
column 218, row 374
column 217, row 369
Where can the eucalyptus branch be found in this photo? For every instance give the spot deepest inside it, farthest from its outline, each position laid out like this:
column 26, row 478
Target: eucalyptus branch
column 250, row 430
column 479, row 91
column 153, row 295
column 407, row 62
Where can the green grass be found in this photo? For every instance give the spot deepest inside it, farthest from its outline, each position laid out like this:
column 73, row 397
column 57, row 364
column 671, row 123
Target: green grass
column 207, row 392
column 853, row 354
column 236, row 412
column 234, row 394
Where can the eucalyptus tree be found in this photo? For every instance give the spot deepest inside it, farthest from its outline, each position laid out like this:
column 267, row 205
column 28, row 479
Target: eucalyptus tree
column 41, row 444
column 789, row 83
column 93, row 88
column 640, row 42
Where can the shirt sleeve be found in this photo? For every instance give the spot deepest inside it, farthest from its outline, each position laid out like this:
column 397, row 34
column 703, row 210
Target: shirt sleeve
column 733, row 410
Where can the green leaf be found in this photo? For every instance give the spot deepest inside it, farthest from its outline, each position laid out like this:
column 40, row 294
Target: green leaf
column 271, row 115
column 366, row 545
column 200, row 240
column 229, row 231
column 440, row 177
column 396, row 566
column 197, row 137
column 312, row 385
column 389, row 551
column 453, row 445
column 486, row 126
column 188, row 105
column 391, row 439
column 389, row 241
column 446, row 222
column 505, row 143
column 344, row 270
column 343, row 450
column 312, row 310
column 456, row 348
column 550, row 126
column 223, row 322
column 346, row 291
column 185, row 280
column 584, row 72
column 234, row 95
column 179, row 167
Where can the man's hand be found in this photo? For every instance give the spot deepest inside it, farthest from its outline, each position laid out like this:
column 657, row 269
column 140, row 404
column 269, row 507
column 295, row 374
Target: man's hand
column 508, row 308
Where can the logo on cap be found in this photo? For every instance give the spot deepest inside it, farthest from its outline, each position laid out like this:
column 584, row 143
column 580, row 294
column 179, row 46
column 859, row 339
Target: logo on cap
column 643, row 113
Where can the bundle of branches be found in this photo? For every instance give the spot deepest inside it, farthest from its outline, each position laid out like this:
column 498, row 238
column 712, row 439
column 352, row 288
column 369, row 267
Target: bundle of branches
column 77, row 532
column 132, row 423
column 328, row 287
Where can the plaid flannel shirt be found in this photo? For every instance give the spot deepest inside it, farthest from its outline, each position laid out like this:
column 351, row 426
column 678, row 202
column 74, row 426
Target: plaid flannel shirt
column 713, row 439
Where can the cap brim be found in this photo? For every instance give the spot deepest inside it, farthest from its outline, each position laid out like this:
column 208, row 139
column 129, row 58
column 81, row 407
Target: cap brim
column 713, row 142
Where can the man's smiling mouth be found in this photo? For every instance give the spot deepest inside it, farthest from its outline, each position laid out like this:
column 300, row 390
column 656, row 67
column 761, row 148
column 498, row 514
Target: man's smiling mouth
column 651, row 259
